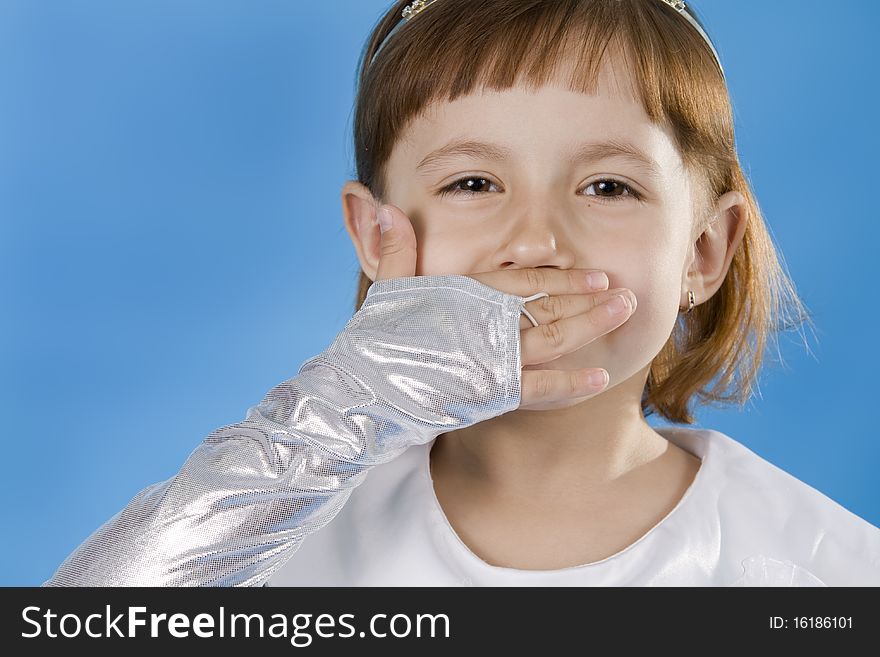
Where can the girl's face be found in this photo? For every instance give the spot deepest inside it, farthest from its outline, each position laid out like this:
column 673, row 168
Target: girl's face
column 554, row 178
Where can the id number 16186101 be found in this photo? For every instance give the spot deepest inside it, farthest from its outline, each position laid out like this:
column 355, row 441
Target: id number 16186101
column 811, row 622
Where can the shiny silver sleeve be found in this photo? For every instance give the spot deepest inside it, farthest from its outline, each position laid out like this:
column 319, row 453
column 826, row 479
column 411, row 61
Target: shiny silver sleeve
column 423, row 355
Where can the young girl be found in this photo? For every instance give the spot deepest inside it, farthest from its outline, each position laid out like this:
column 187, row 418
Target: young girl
column 534, row 161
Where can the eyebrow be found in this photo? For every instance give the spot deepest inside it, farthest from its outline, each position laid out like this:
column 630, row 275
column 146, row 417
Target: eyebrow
column 587, row 152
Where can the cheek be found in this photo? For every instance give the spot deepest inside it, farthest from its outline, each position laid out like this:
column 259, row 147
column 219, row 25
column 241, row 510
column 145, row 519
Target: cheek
column 435, row 259
column 648, row 329
column 447, row 251
column 656, row 282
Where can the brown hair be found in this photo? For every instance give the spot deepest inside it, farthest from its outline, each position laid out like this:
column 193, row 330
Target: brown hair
column 452, row 49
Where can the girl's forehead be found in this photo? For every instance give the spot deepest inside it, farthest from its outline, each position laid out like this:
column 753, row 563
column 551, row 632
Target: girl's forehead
column 549, row 114
column 522, row 123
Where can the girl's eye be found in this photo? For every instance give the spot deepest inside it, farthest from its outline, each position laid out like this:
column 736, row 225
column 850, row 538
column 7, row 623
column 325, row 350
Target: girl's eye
column 471, row 187
column 611, row 185
column 606, row 188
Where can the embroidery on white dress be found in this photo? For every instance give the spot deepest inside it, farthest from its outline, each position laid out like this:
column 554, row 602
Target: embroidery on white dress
column 761, row 570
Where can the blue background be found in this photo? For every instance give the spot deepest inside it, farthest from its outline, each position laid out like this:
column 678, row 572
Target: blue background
column 172, row 246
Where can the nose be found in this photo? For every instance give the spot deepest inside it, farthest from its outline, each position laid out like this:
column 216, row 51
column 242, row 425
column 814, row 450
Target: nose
column 535, row 237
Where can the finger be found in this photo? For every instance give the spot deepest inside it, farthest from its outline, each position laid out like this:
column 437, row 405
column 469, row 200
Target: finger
column 553, row 385
column 548, row 342
column 526, row 282
column 551, row 309
column 397, row 246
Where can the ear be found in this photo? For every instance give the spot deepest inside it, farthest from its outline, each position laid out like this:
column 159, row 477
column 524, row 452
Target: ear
column 714, row 249
column 359, row 209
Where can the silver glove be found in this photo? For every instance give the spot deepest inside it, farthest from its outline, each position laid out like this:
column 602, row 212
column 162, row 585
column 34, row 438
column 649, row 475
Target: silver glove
column 424, row 355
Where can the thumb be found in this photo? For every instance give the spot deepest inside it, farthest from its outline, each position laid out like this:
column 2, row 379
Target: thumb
column 397, row 246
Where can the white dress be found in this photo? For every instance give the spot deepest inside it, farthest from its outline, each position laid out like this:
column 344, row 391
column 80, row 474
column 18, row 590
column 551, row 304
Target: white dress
column 742, row 522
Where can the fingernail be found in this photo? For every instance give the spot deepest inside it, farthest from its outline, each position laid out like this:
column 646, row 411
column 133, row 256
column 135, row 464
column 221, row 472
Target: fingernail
column 617, row 305
column 597, row 280
column 596, row 379
column 385, row 220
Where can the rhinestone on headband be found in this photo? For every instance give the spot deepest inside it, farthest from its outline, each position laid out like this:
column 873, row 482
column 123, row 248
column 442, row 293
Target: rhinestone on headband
column 417, row 6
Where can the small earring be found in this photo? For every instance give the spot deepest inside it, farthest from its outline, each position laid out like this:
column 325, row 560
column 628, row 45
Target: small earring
column 691, row 303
